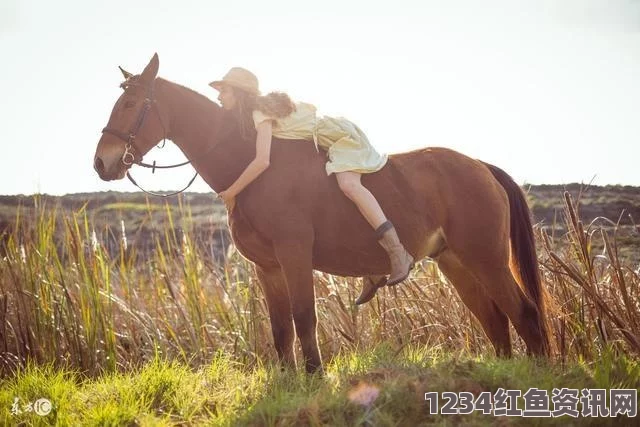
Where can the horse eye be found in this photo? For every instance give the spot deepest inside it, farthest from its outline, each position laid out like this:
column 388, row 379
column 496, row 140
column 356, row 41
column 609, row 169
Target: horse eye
column 129, row 104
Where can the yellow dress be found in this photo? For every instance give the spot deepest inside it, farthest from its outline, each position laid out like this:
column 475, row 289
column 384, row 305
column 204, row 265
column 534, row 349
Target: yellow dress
column 347, row 146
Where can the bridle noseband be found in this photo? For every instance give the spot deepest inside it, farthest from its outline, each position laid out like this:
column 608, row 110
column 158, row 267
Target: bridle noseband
column 130, row 149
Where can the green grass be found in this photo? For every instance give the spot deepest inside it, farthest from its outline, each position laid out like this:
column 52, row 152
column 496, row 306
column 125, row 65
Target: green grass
column 176, row 339
column 225, row 392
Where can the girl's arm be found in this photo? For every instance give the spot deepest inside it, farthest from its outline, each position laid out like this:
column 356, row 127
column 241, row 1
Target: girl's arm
column 257, row 165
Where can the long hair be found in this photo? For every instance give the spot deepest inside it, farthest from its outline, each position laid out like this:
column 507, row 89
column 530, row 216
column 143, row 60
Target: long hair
column 275, row 104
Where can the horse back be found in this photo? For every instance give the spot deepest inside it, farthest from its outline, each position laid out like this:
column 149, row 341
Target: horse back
column 296, row 194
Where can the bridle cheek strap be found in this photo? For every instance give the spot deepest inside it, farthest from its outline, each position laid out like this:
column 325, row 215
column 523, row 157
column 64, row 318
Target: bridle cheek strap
column 130, row 149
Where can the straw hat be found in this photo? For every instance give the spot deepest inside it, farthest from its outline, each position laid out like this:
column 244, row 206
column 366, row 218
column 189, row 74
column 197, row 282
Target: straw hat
column 240, row 78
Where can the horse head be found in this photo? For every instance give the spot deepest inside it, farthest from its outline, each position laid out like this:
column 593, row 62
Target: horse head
column 134, row 127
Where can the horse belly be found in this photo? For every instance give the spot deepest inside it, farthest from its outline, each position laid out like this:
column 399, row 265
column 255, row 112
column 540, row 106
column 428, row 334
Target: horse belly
column 348, row 262
column 346, row 246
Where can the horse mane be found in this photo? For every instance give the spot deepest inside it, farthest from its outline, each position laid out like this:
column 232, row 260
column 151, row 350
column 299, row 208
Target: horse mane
column 208, row 133
column 207, row 112
column 200, row 99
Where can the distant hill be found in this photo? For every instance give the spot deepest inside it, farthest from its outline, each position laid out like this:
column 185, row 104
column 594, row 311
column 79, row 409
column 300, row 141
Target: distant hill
column 613, row 202
column 142, row 215
column 546, row 201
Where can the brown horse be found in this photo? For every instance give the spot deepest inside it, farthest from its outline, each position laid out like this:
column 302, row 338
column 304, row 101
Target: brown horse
column 470, row 216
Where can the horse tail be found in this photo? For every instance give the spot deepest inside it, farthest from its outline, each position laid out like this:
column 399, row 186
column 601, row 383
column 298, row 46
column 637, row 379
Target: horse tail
column 524, row 259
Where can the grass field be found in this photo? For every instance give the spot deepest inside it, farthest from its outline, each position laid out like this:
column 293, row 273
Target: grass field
column 381, row 387
column 177, row 338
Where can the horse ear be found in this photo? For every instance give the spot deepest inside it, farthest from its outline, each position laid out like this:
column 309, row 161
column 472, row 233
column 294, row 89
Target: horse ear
column 151, row 70
column 125, row 73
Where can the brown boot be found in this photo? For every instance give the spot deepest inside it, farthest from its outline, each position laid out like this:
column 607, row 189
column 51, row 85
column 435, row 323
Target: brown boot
column 370, row 285
column 401, row 260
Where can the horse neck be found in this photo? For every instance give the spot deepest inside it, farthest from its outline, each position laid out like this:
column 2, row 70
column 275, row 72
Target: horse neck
column 200, row 128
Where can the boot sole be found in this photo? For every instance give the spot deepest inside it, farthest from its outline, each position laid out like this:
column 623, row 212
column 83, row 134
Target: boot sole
column 402, row 279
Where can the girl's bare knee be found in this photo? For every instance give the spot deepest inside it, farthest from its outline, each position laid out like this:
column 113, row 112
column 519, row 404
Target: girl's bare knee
column 349, row 185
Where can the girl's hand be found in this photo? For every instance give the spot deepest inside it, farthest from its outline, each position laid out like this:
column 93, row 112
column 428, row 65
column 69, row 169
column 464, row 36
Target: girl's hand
column 229, row 199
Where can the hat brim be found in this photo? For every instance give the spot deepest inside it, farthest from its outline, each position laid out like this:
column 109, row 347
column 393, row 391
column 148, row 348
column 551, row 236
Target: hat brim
column 216, row 84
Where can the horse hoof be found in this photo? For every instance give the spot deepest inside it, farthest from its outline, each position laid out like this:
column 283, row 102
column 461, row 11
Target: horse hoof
column 370, row 285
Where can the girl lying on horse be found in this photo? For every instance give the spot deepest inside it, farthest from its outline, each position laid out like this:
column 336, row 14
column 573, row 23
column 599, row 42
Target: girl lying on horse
column 349, row 152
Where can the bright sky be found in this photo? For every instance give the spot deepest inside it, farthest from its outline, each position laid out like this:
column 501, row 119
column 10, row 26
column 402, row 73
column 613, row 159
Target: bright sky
column 548, row 90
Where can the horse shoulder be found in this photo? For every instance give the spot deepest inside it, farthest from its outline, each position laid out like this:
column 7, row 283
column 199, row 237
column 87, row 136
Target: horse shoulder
column 250, row 242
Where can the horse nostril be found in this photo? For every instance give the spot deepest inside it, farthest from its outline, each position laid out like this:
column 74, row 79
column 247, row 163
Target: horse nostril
column 98, row 165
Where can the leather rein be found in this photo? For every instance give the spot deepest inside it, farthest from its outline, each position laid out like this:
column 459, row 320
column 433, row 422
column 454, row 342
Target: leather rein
column 130, row 149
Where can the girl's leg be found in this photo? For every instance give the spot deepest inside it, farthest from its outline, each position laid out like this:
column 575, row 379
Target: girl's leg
column 401, row 260
column 369, row 207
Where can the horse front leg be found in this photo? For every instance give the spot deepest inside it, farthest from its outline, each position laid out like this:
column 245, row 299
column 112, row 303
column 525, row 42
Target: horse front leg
column 277, row 295
column 294, row 256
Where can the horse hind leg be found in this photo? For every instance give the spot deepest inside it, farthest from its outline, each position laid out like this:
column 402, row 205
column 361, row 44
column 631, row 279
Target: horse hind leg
column 494, row 321
column 502, row 287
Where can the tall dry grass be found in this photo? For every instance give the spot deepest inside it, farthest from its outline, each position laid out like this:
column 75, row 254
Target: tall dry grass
column 64, row 300
column 596, row 294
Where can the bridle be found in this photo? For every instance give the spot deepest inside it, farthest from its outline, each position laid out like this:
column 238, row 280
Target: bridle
column 130, row 149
